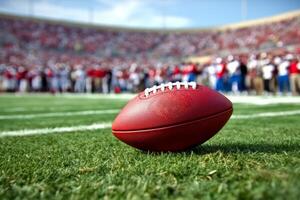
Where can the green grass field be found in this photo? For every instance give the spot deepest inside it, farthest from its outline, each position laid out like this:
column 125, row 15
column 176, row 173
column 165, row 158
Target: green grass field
column 256, row 158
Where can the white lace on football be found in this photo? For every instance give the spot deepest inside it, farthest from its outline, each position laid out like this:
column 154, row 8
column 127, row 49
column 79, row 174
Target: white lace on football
column 170, row 86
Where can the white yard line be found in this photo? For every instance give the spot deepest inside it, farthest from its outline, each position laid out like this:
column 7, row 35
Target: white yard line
column 247, row 99
column 55, row 130
column 266, row 114
column 254, row 100
column 15, row 109
column 108, row 125
column 125, row 96
column 264, row 100
column 59, row 114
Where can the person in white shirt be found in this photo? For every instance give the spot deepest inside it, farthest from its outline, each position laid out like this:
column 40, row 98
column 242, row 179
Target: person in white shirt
column 64, row 78
column 267, row 74
column 79, row 79
column 36, row 82
column 233, row 68
column 283, row 75
column 134, row 79
column 252, row 74
column 211, row 75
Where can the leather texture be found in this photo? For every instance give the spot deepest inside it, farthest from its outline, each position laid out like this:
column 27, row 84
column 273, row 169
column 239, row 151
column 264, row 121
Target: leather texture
column 172, row 120
column 175, row 138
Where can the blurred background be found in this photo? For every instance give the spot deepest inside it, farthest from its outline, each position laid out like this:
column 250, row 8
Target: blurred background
column 237, row 47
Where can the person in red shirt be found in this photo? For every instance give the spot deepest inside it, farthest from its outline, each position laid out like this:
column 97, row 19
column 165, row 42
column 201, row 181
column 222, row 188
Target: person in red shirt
column 151, row 77
column 220, row 72
column 176, row 74
column 294, row 71
column 22, row 79
column 89, row 79
column 189, row 72
column 10, row 80
column 98, row 74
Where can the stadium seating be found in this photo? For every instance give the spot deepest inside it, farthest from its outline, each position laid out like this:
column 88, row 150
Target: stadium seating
column 31, row 48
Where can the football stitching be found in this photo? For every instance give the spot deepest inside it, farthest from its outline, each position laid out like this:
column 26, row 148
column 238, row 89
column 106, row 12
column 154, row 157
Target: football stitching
column 169, row 85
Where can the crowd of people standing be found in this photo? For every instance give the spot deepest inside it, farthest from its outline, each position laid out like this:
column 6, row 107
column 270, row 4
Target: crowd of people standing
column 257, row 74
column 42, row 56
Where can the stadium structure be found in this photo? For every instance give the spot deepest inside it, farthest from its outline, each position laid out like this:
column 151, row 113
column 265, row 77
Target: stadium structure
column 46, row 55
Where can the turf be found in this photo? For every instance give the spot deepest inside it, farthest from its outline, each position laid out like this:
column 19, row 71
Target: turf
column 248, row 159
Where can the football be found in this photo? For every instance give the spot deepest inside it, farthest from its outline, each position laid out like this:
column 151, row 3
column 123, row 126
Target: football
column 172, row 117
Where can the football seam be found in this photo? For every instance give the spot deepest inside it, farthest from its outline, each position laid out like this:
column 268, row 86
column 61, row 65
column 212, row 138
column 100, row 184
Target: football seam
column 174, row 125
column 142, row 96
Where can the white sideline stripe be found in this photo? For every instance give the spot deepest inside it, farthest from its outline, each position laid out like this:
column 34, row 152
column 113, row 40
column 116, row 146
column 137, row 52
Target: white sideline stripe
column 55, row 130
column 253, row 100
column 108, row 125
column 266, row 114
column 248, row 99
column 59, row 114
column 92, row 112
column 264, row 100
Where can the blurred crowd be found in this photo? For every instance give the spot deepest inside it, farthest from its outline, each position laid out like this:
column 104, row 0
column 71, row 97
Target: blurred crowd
column 256, row 74
column 38, row 56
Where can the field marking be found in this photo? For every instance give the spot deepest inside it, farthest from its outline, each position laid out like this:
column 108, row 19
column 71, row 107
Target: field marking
column 59, row 114
column 15, row 109
column 55, row 130
column 264, row 100
column 248, row 99
column 113, row 111
column 108, row 125
column 266, row 114
column 243, row 99
column 124, row 96
column 18, row 110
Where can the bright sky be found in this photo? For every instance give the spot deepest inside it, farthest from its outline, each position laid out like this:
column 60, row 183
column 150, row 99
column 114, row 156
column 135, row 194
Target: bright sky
column 151, row 13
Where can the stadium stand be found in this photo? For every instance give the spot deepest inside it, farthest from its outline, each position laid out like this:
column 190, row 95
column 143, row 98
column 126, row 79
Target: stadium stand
column 41, row 55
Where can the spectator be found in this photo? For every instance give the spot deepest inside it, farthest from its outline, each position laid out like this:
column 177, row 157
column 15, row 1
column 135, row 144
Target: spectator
column 252, row 66
column 234, row 71
column 36, row 81
column 294, row 72
column 258, row 80
column 64, row 78
column 267, row 74
column 98, row 76
column 283, row 74
column 211, row 72
column 45, row 56
column 176, row 74
column 10, row 81
column 89, row 80
column 79, row 76
column 221, row 75
column 244, row 72
column 22, row 79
